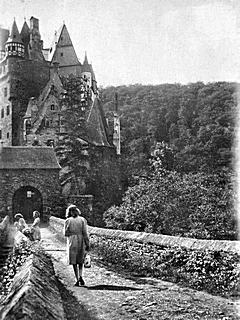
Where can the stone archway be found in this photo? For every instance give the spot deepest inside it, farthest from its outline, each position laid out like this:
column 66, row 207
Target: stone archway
column 25, row 200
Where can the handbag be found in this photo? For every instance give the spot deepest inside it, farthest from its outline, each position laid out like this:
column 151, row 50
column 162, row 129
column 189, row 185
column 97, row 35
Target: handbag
column 87, row 261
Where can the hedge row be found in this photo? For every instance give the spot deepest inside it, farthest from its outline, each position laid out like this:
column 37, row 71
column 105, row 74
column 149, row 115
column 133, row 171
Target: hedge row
column 216, row 272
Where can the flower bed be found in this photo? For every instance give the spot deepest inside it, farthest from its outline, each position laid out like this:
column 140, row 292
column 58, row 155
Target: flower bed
column 217, row 272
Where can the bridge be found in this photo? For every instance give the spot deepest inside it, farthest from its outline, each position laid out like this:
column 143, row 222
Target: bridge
column 44, row 288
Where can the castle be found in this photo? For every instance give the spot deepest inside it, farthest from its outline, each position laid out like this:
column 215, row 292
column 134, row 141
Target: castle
column 31, row 115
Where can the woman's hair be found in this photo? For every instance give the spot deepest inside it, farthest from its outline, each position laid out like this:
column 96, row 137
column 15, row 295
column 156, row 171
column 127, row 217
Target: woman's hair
column 18, row 216
column 72, row 211
column 36, row 214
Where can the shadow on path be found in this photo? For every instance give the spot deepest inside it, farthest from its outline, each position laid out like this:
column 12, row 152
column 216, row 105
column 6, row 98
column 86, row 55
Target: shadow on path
column 112, row 287
column 72, row 308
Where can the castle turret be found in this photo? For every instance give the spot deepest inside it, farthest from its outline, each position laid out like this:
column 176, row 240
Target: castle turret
column 14, row 45
column 87, row 72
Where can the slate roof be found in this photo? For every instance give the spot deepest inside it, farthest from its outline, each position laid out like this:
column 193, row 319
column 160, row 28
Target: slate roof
column 14, row 35
column 40, row 101
column 97, row 126
column 28, row 158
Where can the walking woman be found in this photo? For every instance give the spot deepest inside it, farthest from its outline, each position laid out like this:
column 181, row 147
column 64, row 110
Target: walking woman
column 75, row 229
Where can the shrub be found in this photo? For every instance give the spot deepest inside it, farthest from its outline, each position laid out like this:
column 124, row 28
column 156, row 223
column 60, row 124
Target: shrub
column 215, row 272
column 192, row 205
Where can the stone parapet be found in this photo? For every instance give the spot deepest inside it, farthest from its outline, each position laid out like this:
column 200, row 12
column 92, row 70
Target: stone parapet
column 4, row 230
column 157, row 239
column 34, row 294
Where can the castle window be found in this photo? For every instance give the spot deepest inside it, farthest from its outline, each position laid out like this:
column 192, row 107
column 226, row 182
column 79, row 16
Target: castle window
column 8, row 135
column 14, row 48
column 52, row 107
column 28, row 126
column 61, row 54
column 46, row 123
column 8, row 110
column 0, row 134
column 2, row 113
column 5, row 92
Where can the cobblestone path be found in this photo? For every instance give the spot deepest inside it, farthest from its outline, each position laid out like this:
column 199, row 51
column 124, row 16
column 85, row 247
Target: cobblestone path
column 109, row 295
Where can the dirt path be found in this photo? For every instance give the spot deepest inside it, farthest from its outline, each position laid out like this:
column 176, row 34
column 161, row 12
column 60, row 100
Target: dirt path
column 108, row 295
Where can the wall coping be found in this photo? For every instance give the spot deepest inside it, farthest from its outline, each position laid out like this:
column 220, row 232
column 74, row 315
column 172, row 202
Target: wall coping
column 159, row 239
column 30, row 297
column 5, row 223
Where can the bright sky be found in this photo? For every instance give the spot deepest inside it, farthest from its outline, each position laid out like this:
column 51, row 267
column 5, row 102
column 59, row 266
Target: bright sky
column 143, row 41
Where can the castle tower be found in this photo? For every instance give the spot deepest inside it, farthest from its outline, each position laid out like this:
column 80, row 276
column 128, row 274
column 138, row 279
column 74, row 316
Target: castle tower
column 14, row 46
column 23, row 74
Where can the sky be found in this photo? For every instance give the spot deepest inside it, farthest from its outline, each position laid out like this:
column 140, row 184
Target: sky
column 142, row 41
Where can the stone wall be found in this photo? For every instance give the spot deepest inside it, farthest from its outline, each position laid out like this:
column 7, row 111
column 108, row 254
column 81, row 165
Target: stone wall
column 34, row 293
column 157, row 239
column 4, row 230
column 46, row 181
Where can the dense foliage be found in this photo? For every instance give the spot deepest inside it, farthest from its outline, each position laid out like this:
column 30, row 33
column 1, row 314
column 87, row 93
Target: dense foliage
column 215, row 272
column 196, row 120
column 196, row 205
column 188, row 130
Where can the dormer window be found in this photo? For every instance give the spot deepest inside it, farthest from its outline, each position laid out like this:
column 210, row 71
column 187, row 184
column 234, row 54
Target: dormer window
column 52, row 107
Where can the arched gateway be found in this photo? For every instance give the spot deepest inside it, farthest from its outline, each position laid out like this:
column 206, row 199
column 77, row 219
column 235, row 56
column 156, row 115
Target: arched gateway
column 26, row 200
column 29, row 180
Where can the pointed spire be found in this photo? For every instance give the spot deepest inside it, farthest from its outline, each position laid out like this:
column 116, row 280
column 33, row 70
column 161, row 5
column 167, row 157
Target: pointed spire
column 85, row 59
column 25, row 30
column 14, row 35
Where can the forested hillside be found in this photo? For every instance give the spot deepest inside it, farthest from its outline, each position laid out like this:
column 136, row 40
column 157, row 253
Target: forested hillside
column 191, row 128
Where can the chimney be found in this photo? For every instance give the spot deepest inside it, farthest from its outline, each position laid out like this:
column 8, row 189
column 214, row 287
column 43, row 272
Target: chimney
column 34, row 23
